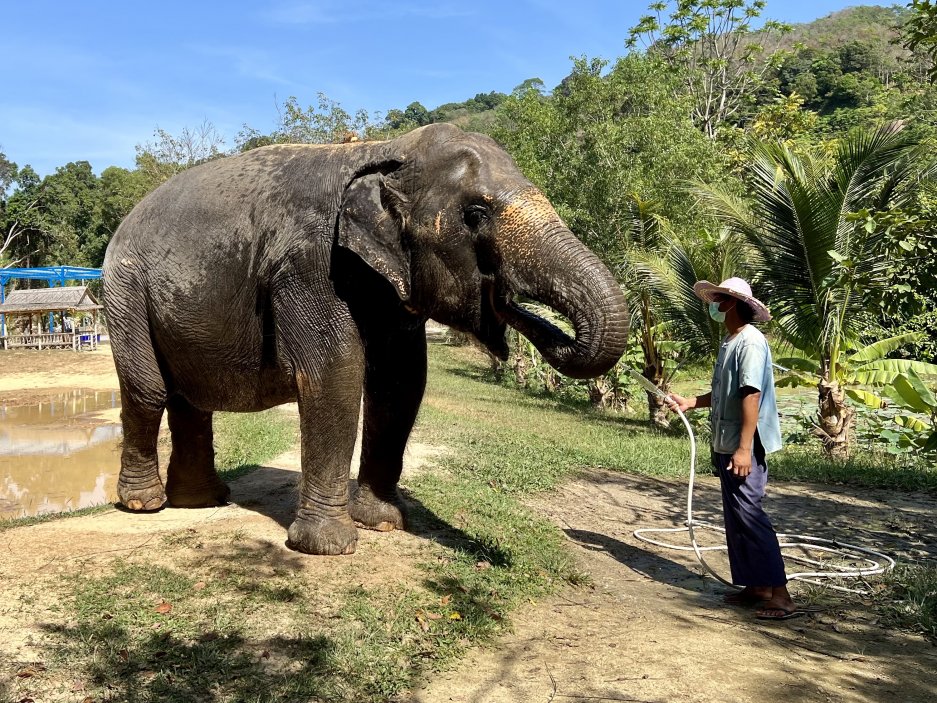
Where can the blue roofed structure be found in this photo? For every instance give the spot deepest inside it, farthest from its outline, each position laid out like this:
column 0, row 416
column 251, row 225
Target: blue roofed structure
column 54, row 275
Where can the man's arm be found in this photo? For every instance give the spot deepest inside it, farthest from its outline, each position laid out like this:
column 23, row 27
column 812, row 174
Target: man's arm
column 678, row 401
column 741, row 462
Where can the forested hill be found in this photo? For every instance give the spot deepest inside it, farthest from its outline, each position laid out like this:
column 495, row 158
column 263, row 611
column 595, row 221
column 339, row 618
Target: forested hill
column 870, row 24
column 867, row 35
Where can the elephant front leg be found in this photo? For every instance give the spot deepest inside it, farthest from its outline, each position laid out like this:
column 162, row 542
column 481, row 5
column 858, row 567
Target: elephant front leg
column 393, row 389
column 328, row 409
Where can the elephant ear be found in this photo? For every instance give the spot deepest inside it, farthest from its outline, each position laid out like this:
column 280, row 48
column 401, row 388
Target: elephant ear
column 370, row 223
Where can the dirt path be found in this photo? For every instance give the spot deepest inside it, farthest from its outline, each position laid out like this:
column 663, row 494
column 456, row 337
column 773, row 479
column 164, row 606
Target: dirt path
column 649, row 628
column 29, row 376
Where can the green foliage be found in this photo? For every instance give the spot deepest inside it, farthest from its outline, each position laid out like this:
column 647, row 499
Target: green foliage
column 916, row 422
column 912, row 598
column 909, row 304
column 326, row 122
column 170, row 154
column 710, row 43
column 531, row 84
column 8, row 171
column 920, row 32
column 710, row 256
column 601, row 140
column 822, row 272
column 244, row 440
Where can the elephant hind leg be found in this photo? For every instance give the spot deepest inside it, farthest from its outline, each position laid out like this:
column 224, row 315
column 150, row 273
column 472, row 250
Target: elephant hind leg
column 192, row 481
column 143, row 399
column 139, row 486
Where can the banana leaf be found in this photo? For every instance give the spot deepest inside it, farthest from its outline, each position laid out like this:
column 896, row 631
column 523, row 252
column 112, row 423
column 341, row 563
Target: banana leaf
column 884, row 371
column 799, row 364
column 866, row 398
column 882, row 348
column 931, row 444
column 925, row 393
column 914, row 393
column 912, row 423
column 792, row 379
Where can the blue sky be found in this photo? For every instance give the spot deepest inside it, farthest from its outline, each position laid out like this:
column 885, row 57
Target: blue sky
column 90, row 80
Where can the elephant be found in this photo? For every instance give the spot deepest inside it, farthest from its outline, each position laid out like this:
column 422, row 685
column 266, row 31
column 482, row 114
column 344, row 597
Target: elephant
column 306, row 273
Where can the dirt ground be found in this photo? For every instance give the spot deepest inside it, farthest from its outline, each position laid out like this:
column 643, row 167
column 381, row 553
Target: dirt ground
column 649, row 627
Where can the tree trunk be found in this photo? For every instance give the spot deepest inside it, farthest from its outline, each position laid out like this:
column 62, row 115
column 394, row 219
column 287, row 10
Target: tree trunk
column 520, row 367
column 656, row 410
column 599, row 392
column 836, row 420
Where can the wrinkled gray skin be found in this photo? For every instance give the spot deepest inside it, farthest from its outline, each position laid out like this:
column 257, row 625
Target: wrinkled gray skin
column 307, row 273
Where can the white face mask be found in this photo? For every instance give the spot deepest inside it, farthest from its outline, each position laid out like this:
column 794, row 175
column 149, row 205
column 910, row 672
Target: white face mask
column 715, row 313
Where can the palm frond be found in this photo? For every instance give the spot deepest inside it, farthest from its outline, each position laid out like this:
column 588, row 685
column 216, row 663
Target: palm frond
column 811, row 253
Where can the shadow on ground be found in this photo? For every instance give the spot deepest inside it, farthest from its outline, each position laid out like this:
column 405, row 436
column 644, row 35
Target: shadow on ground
column 272, row 492
column 295, row 643
column 861, row 656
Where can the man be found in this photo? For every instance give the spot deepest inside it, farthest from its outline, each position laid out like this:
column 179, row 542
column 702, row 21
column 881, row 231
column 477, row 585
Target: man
column 745, row 428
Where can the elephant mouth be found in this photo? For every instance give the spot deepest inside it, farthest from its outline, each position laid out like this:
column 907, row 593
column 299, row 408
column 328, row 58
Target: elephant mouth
column 493, row 327
column 502, row 311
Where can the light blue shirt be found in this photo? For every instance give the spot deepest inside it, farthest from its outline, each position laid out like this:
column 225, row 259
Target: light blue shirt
column 744, row 360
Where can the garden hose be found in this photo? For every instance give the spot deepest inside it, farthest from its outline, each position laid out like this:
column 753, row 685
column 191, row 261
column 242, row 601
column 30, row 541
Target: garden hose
column 859, row 561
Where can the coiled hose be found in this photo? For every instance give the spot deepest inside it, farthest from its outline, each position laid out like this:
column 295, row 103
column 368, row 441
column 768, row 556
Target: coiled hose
column 862, row 561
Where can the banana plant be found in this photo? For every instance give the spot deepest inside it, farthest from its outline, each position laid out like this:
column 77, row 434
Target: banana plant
column 822, row 270
column 911, row 393
column 863, row 372
column 868, row 366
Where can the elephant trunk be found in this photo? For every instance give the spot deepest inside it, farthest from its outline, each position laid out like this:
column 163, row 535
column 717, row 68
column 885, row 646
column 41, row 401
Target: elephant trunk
column 544, row 261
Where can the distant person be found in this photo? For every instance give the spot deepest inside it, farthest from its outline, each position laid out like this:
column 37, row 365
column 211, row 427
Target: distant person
column 745, row 428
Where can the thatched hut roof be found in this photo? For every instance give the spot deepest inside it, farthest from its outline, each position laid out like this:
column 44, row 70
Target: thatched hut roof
column 69, row 298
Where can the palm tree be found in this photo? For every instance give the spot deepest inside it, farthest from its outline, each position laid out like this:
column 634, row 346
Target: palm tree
column 659, row 270
column 819, row 267
column 670, row 279
column 644, row 235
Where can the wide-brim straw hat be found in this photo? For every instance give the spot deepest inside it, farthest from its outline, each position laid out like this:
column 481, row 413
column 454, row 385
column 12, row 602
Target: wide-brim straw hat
column 737, row 288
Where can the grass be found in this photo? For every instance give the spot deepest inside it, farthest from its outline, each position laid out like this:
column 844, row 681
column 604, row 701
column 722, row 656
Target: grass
column 51, row 517
column 805, row 462
column 255, row 630
column 912, row 598
column 245, row 440
column 520, row 443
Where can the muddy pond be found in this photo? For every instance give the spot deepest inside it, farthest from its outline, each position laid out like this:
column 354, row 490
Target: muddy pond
column 62, row 454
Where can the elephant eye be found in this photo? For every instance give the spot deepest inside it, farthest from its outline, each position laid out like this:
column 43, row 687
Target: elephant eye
column 475, row 216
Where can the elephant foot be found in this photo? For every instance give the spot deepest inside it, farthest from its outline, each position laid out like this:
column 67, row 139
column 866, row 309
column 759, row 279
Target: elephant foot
column 375, row 513
column 209, row 495
column 141, row 500
column 329, row 536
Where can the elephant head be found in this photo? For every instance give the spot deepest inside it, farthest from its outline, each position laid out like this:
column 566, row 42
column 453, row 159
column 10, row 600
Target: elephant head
column 449, row 220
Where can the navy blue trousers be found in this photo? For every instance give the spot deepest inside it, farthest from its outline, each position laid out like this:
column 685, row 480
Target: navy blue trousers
column 754, row 554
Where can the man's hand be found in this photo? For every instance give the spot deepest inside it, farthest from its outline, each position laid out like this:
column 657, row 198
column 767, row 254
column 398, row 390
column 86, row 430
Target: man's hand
column 741, row 463
column 675, row 401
